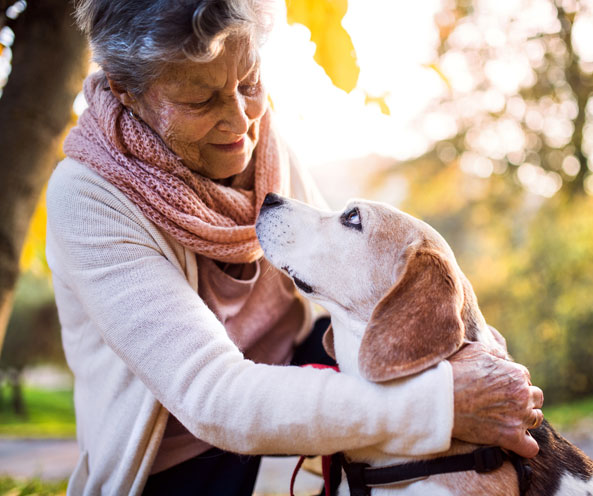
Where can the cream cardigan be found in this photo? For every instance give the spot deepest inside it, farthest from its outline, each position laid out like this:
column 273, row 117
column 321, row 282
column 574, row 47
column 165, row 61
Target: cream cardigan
column 141, row 343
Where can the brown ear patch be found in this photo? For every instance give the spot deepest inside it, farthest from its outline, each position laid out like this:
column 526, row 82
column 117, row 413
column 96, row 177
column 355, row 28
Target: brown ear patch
column 417, row 323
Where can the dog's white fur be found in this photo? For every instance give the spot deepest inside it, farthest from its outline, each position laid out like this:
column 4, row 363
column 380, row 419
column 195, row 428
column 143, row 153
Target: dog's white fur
column 348, row 269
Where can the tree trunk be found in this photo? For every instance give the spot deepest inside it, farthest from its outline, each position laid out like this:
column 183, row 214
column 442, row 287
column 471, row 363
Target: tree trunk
column 50, row 60
column 18, row 400
column 3, row 386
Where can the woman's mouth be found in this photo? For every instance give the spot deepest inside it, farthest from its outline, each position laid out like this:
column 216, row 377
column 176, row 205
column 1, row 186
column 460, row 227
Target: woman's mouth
column 230, row 147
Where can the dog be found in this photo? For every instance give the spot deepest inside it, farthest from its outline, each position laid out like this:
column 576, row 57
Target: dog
column 399, row 304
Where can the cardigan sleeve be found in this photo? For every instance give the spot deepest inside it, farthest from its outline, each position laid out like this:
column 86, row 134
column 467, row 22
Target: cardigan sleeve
column 147, row 313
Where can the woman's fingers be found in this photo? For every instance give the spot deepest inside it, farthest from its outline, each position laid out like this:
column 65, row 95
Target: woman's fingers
column 498, row 346
column 519, row 439
column 524, row 445
column 499, row 338
column 538, row 397
column 495, row 402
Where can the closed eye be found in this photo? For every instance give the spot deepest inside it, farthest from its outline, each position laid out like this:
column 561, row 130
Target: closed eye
column 199, row 105
column 351, row 218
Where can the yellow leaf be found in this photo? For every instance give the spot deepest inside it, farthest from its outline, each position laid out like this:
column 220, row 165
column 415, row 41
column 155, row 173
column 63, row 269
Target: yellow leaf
column 440, row 73
column 33, row 253
column 335, row 51
column 271, row 102
column 378, row 100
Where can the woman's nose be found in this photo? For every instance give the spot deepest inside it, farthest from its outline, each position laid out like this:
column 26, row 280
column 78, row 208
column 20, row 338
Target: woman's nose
column 234, row 118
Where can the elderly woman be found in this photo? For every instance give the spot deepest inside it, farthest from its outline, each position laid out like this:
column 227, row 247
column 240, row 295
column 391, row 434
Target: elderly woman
column 176, row 329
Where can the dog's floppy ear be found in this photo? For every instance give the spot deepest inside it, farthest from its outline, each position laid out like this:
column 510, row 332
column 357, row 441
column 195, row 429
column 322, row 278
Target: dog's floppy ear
column 417, row 323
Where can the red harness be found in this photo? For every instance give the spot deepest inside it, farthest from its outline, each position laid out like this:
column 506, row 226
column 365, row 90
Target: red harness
column 326, row 459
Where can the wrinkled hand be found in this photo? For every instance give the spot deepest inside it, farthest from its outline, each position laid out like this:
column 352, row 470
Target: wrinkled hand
column 495, row 402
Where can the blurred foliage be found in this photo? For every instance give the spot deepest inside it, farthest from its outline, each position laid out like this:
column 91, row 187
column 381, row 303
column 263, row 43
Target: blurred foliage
column 32, row 487
column 33, row 254
column 50, row 414
column 507, row 187
column 334, row 49
column 32, row 336
column 520, row 79
column 570, row 416
column 33, row 330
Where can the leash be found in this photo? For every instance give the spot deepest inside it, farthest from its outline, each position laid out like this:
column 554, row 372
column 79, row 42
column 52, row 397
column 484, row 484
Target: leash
column 361, row 477
column 325, row 469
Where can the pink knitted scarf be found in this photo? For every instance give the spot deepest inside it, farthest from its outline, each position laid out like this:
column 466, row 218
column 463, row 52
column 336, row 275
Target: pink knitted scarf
column 210, row 219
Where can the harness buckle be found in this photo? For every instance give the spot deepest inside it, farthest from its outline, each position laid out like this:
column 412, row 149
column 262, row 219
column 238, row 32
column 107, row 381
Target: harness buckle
column 488, row 459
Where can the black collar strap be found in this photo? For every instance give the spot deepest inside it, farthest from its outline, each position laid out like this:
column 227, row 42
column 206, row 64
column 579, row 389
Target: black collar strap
column 361, row 477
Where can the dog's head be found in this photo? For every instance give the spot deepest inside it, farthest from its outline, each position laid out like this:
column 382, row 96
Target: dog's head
column 382, row 267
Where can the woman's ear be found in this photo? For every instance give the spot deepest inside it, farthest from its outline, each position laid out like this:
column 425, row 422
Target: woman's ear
column 417, row 323
column 125, row 98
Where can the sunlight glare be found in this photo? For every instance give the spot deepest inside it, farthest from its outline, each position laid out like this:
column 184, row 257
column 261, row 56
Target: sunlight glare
column 325, row 124
column 582, row 37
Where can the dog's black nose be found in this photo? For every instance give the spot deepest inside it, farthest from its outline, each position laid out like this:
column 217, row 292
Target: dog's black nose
column 272, row 200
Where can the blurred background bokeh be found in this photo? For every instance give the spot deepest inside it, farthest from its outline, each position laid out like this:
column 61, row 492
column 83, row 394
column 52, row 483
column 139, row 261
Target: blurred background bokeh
column 476, row 116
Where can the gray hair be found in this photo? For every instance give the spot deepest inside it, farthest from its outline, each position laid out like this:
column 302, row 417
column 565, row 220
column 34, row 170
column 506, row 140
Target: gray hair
column 132, row 40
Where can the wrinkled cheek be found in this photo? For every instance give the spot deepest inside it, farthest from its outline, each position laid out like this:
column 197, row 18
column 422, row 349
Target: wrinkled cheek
column 180, row 139
column 187, row 152
column 167, row 129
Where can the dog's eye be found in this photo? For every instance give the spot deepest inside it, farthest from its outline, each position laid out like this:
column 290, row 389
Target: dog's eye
column 351, row 218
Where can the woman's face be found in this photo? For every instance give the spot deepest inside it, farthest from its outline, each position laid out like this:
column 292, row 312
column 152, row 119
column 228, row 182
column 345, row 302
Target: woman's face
column 208, row 113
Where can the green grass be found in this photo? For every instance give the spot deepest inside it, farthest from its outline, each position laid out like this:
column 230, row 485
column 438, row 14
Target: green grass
column 49, row 414
column 568, row 415
column 14, row 487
